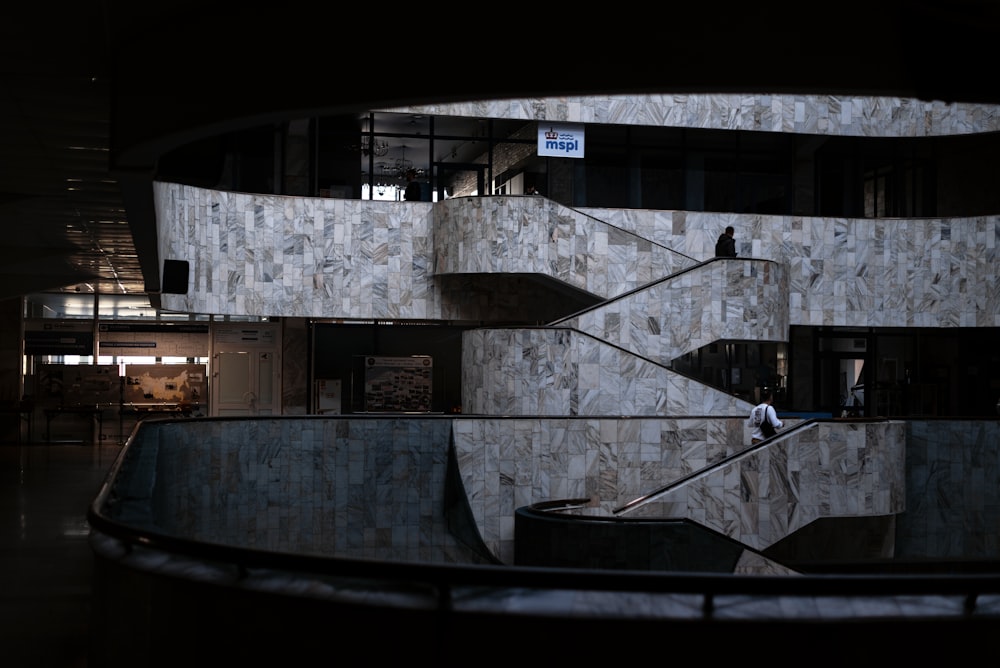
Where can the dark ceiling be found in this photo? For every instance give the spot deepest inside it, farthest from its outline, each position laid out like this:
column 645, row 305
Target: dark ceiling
column 92, row 92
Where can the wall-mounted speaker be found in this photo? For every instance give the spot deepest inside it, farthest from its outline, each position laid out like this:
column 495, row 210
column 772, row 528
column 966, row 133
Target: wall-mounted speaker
column 175, row 277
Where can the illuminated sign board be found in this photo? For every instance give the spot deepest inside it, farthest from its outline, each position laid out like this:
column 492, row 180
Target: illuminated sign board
column 560, row 141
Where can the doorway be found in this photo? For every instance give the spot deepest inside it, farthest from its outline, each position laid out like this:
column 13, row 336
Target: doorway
column 246, row 378
column 841, row 388
column 842, row 376
column 460, row 180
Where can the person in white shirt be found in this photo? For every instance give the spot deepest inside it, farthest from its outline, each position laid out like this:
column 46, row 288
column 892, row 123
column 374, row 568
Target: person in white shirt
column 761, row 417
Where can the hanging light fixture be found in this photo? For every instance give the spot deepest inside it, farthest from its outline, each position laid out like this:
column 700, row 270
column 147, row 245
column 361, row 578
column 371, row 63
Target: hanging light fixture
column 398, row 168
column 372, row 146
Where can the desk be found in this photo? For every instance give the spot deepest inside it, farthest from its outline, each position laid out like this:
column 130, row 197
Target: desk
column 95, row 411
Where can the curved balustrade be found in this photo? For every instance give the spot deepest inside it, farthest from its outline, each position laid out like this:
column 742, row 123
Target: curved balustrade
column 364, row 259
column 175, row 582
column 536, row 235
column 822, row 469
column 561, row 371
column 721, row 299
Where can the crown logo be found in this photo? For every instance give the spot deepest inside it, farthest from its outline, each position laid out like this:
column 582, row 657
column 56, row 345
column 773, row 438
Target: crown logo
column 551, row 134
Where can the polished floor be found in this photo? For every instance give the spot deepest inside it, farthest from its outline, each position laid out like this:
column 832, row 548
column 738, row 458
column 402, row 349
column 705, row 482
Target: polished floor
column 45, row 559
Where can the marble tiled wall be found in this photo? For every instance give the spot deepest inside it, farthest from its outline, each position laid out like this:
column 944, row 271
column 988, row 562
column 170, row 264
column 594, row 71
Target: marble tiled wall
column 809, row 114
column 507, row 463
column 935, row 272
column 309, row 257
column 901, row 273
column 359, row 488
column 350, row 258
column 373, row 487
column 824, row 470
column 563, row 372
column 952, row 490
column 732, row 299
column 270, row 255
column 535, row 235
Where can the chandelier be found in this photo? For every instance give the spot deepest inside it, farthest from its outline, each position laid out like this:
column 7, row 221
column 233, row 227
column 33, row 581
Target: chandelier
column 372, row 146
column 397, row 169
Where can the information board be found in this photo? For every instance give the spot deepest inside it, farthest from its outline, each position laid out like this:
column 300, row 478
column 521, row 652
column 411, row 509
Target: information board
column 398, row 384
column 78, row 384
column 164, row 384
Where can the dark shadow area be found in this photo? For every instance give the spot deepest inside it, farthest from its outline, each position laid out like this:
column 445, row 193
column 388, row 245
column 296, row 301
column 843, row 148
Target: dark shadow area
column 546, row 537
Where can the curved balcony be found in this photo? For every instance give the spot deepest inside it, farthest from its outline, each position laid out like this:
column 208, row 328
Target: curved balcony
column 333, row 258
column 272, row 539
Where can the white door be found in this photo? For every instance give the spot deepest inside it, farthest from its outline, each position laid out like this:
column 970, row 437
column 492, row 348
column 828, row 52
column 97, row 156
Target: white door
column 246, row 378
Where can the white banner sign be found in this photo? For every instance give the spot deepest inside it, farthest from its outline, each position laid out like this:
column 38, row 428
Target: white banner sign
column 560, row 141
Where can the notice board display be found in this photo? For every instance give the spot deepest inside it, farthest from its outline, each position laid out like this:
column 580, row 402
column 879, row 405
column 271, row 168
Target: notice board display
column 78, row 384
column 164, row 384
column 327, row 396
column 398, row 384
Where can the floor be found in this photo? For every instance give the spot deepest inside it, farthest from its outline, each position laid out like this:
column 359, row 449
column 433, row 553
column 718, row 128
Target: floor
column 45, row 558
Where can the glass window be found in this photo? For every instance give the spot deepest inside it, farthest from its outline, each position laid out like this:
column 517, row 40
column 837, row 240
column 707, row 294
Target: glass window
column 765, row 183
column 61, row 304
column 662, row 179
column 125, row 307
column 606, row 161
